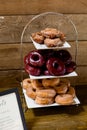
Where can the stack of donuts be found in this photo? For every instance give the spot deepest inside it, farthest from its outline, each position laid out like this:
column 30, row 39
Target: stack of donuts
column 51, row 37
column 49, row 62
column 49, row 91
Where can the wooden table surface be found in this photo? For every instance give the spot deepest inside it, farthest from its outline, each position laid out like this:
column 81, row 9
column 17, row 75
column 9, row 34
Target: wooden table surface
column 60, row 117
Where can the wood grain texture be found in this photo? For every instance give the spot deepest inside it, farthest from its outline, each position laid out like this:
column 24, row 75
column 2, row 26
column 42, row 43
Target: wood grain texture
column 56, row 118
column 11, row 27
column 10, row 55
column 38, row 6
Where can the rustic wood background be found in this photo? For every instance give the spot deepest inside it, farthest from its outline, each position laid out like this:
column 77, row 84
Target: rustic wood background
column 14, row 15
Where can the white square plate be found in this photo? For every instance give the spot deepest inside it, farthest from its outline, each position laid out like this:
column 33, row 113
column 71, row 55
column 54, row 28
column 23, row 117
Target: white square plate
column 31, row 103
column 43, row 46
column 45, row 76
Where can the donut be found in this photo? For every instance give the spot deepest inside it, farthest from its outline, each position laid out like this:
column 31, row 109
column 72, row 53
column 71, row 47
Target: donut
column 36, row 71
column 37, row 84
column 50, row 82
column 61, row 88
column 50, row 53
column 61, row 35
column 26, row 83
column 46, row 72
column 71, row 91
column 46, row 93
column 43, row 101
column 65, row 81
column 49, row 32
column 35, row 58
column 37, row 37
column 70, row 67
column 53, row 42
column 55, row 66
column 30, row 92
column 64, row 55
column 64, row 99
column 26, row 59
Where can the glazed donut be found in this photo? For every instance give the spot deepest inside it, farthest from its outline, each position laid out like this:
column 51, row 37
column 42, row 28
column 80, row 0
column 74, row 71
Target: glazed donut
column 43, row 101
column 37, row 37
column 46, row 72
column 65, row 81
column 70, row 67
column 30, row 92
column 26, row 59
column 35, row 58
column 71, row 91
column 64, row 55
column 26, row 83
column 55, row 66
column 61, row 88
column 49, row 32
column 37, row 84
column 53, row 42
column 61, row 35
column 46, row 93
column 32, row 70
column 50, row 82
column 64, row 99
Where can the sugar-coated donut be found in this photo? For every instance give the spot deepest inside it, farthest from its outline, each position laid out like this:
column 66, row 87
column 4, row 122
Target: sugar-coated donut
column 37, row 84
column 53, row 42
column 49, row 32
column 51, row 37
column 71, row 91
column 44, row 101
column 46, row 93
column 62, row 36
column 61, row 88
column 26, row 83
column 65, row 81
column 38, row 37
column 64, row 99
column 30, row 92
column 50, row 82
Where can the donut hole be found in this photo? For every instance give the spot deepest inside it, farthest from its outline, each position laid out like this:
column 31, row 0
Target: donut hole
column 29, row 81
column 34, row 90
column 35, row 57
column 55, row 65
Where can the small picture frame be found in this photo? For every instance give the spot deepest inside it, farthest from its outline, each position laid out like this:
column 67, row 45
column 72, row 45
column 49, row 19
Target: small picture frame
column 11, row 113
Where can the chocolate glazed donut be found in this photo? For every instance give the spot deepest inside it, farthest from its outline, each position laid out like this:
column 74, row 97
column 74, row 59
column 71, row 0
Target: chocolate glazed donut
column 64, row 55
column 55, row 66
column 32, row 70
column 36, row 59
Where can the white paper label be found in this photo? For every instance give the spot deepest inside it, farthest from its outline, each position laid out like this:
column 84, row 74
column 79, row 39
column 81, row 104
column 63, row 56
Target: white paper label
column 10, row 118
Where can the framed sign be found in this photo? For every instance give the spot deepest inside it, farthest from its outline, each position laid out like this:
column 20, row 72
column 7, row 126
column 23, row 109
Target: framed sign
column 11, row 113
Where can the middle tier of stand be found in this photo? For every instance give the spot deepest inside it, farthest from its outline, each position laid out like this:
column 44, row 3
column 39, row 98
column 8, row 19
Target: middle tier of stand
column 49, row 76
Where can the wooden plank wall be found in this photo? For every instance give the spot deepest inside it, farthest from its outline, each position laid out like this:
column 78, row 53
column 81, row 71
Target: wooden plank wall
column 14, row 15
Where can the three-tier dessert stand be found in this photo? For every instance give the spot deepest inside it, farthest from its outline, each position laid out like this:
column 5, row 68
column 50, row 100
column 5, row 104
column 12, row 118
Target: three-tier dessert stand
column 50, row 20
